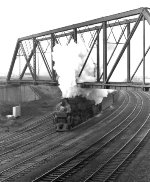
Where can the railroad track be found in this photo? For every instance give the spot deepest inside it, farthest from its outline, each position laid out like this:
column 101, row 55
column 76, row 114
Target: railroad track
column 37, row 125
column 9, row 145
column 12, row 147
column 72, row 165
column 7, row 174
column 6, row 171
column 19, row 150
column 27, row 136
column 119, row 112
column 27, row 133
column 115, row 165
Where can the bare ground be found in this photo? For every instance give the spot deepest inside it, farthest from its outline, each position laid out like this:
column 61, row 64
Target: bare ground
column 137, row 171
column 47, row 102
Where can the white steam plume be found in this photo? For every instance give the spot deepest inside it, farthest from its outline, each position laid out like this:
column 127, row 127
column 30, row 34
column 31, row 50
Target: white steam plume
column 68, row 62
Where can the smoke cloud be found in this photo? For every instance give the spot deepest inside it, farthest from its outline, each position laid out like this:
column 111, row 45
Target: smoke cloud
column 68, row 63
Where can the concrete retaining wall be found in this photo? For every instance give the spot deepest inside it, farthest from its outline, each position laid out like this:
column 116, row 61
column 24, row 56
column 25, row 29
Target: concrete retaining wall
column 19, row 94
column 16, row 94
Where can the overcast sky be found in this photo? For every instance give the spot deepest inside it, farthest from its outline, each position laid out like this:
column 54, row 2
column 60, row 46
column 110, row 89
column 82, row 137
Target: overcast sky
column 24, row 17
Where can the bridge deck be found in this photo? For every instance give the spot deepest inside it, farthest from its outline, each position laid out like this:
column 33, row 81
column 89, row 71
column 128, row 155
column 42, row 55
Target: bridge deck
column 116, row 85
column 29, row 82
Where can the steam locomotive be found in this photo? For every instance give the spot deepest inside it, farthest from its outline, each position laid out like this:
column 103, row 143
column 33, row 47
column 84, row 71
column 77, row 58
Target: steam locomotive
column 81, row 110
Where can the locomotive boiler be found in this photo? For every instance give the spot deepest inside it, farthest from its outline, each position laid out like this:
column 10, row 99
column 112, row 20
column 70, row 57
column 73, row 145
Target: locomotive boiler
column 81, row 109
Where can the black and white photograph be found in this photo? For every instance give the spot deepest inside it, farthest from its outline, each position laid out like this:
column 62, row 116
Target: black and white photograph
column 74, row 91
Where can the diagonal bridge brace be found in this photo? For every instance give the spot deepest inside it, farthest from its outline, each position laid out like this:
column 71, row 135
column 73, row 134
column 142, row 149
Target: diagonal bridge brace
column 98, row 31
column 27, row 62
column 94, row 25
column 117, row 43
column 140, row 63
column 13, row 60
column 29, row 59
column 44, row 58
column 125, row 46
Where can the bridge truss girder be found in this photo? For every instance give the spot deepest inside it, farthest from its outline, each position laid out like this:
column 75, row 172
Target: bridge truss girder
column 72, row 32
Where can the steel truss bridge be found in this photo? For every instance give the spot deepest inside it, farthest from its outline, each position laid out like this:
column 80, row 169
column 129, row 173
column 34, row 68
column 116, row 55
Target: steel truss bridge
column 114, row 31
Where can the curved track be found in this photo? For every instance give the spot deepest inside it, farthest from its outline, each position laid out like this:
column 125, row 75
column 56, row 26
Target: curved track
column 117, row 132
column 138, row 110
column 32, row 159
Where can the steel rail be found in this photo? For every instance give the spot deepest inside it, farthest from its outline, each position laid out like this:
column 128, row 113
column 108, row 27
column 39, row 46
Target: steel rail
column 114, row 174
column 11, row 138
column 29, row 149
column 5, row 145
column 8, row 147
column 119, row 110
column 37, row 123
column 123, row 160
column 99, row 175
column 28, row 140
column 7, row 172
column 78, row 162
column 6, row 135
column 85, row 159
column 27, row 160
